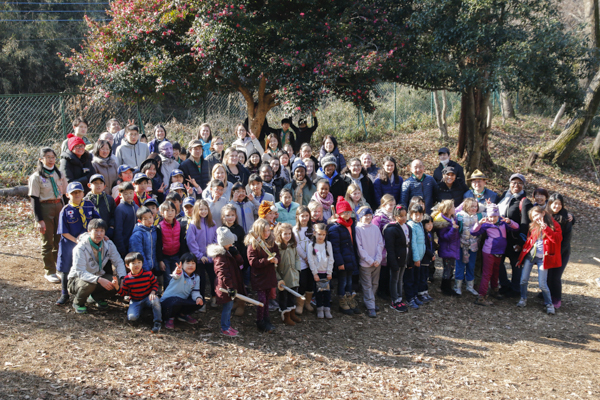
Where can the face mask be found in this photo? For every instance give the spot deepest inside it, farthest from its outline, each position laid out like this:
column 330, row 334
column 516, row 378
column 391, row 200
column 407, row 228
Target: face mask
column 166, row 150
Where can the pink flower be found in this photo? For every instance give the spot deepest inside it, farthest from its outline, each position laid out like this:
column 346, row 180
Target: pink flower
column 302, row 14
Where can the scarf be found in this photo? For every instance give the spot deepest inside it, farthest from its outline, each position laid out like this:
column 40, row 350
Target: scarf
column 505, row 202
column 478, row 196
column 141, row 200
column 326, row 202
column 299, row 190
column 345, row 223
column 50, row 175
column 81, row 213
column 98, row 248
column 205, row 148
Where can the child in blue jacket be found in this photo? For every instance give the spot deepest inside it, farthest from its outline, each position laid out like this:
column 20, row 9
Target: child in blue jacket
column 125, row 218
column 182, row 297
column 144, row 238
column 412, row 275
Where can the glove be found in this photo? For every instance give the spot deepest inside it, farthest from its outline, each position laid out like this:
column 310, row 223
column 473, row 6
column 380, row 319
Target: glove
column 233, row 251
column 232, row 292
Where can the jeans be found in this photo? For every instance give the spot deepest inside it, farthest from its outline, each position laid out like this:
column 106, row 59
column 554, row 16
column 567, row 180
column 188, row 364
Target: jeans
column 542, row 277
column 422, row 285
column 396, row 283
column 369, row 280
column 469, row 267
column 344, row 282
column 170, row 266
column 136, row 307
column 226, row 316
column 555, row 278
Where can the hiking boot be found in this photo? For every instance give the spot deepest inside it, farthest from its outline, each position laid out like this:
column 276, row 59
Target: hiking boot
column 156, row 327
column 371, row 313
column 320, row 312
column 550, row 309
column 309, row 303
column 483, row 301
column 188, row 319
column 80, row 309
column 522, row 303
column 471, row 289
column 353, row 303
column 495, row 293
column 344, row 307
column 170, row 324
column 64, row 299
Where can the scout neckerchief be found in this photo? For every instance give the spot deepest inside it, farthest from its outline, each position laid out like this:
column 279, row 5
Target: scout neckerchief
column 98, row 248
column 54, row 187
column 105, row 200
column 81, row 212
column 141, row 200
column 156, row 220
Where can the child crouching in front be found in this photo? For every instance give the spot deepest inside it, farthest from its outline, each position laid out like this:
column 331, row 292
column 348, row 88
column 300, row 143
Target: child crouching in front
column 288, row 272
column 320, row 262
column 227, row 262
column 182, row 296
column 141, row 286
column 370, row 252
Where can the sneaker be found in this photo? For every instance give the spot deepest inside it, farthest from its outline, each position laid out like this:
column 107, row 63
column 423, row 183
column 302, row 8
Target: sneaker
column 213, row 302
column 188, row 319
column 371, row 313
column 64, row 299
column 52, row 278
column 170, row 324
column 522, row 303
column 203, row 308
column 419, row 302
column 79, row 309
column 102, row 305
column 557, row 304
column 550, row 309
column 234, row 330
column 427, row 297
column 401, row 307
column 229, row 332
column 412, row 304
column 273, row 305
column 156, row 327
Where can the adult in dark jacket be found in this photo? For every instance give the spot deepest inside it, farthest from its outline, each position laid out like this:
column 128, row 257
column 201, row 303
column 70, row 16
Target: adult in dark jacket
column 194, row 166
column 451, row 188
column 299, row 179
column 445, row 161
column 357, row 174
column 304, row 133
column 330, row 147
column 236, row 172
column 105, row 205
column 216, row 157
column 366, row 160
column 287, row 133
column 338, row 184
column 514, row 204
column 151, row 167
column 388, row 181
column 419, row 184
column 556, row 208
column 76, row 163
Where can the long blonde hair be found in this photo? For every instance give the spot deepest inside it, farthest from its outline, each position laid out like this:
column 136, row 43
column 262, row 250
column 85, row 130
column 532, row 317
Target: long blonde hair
column 279, row 229
column 258, row 228
column 197, row 220
column 445, row 207
column 351, row 189
column 386, row 198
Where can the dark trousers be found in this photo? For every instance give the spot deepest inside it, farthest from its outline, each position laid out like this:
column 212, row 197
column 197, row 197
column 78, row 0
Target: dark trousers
column 307, row 281
column 323, row 298
column 515, row 281
column 410, row 281
column 287, row 301
column 174, row 306
column 422, row 285
column 555, row 278
column 383, row 290
column 205, row 270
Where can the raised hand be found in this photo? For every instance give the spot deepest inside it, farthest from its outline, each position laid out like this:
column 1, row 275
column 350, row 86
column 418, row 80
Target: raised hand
column 178, row 269
column 161, row 189
column 252, row 135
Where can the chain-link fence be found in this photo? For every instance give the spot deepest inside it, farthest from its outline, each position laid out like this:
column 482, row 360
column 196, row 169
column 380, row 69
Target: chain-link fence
column 28, row 122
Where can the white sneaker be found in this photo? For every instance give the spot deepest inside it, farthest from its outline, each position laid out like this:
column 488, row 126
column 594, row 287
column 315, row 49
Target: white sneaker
column 458, row 287
column 550, row 309
column 203, row 308
column 522, row 303
column 52, row 278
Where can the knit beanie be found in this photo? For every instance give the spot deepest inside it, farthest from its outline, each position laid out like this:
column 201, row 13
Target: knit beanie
column 264, row 208
column 328, row 160
column 73, row 141
column 225, row 237
column 342, row 205
column 298, row 163
column 492, row 210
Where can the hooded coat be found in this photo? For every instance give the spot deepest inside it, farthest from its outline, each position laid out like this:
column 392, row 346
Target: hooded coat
column 132, row 154
column 448, row 237
column 85, row 264
column 144, row 240
column 76, row 169
column 228, row 272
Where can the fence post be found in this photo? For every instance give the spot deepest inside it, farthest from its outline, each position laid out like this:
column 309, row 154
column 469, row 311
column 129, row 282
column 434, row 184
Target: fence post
column 204, row 107
column 517, row 103
column 432, row 94
column 62, row 116
column 394, row 105
column 140, row 122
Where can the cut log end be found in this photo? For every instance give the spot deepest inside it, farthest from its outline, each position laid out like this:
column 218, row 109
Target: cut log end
column 532, row 159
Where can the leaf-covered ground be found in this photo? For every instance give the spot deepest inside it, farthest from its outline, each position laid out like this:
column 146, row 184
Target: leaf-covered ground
column 449, row 349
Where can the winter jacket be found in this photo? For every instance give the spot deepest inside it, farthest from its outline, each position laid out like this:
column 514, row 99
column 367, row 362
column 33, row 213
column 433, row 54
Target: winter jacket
column 248, row 146
column 448, row 237
column 76, row 169
column 372, row 171
column 85, row 264
column 487, row 194
column 183, row 286
column 287, row 214
column 213, row 159
column 171, row 237
column 338, row 184
column 417, row 243
column 308, row 190
column 144, row 240
column 125, row 220
column 552, row 239
column 345, row 251
column 369, row 242
column 430, row 247
column 381, row 219
column 395, row 189
column 227, row 270
column 465, row 223
column 397, row 246
column 319, row 262
column 460, row 173
column 426, row 187
column 198, row 239
column 107, row 167
column 262, row 271
column 191, row 170
column 243, row 175
column 289, row 267
column 339, row 157
column 245, row 213
column 302, row 243
column 304, row 135
column 168, row 166
column 519, row 212
column 566, row 227
column 155, row 144
column 105, row 205
column 239, row 233
column 496, row 240
column 455, row 193
column 132, row 154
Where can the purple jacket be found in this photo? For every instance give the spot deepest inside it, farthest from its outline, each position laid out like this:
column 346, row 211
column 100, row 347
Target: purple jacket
column 198, row 239
column 449, row 239
column 496, row 235
column 381, row 220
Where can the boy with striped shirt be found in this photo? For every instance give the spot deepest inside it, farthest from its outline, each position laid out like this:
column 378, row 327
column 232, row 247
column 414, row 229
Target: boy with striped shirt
column 141, row 286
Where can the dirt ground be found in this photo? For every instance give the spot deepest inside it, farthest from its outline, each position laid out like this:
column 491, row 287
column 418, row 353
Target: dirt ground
column 448, row 349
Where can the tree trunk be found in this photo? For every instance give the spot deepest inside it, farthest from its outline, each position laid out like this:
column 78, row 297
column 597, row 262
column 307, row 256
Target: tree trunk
column 562, row 147
column 559, row 115
column 257, row 111
column 474, row 130
column 507, row 108
column 596, row 145
column 440, row 115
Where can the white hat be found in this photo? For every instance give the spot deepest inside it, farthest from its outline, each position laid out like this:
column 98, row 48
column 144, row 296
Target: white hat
column 225, row 237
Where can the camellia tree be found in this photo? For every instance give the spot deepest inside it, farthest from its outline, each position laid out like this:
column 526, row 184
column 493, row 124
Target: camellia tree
column 291, row 53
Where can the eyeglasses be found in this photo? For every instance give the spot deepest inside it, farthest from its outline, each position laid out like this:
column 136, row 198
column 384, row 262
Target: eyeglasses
column 79, row 147
column 49, row 158
column 516, row 183
column 219, row 144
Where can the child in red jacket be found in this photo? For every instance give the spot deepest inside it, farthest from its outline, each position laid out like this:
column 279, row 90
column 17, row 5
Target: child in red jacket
column 542, row 249
column 227, row 261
